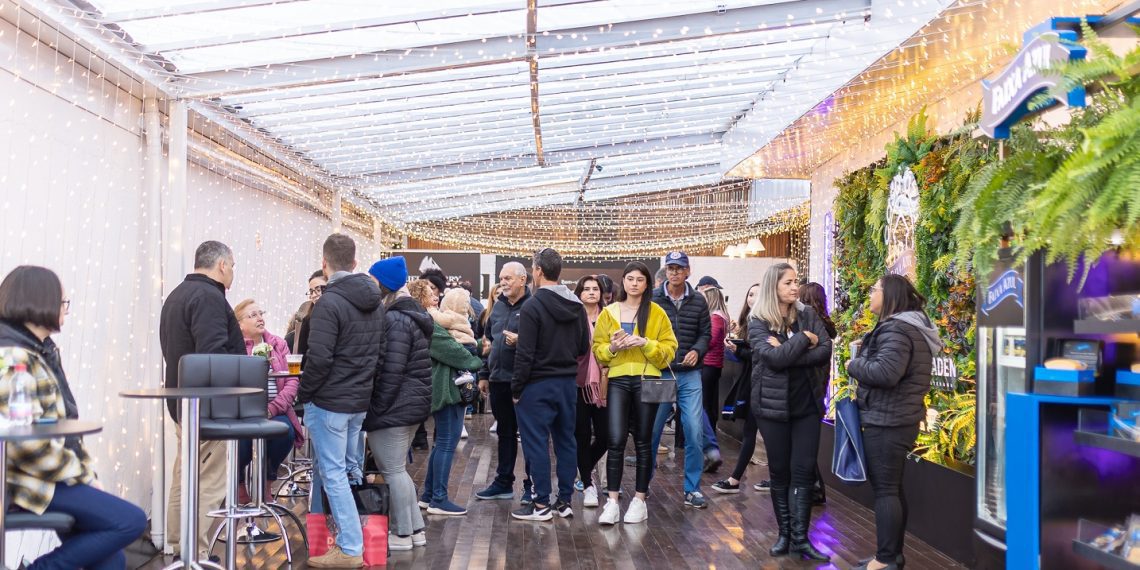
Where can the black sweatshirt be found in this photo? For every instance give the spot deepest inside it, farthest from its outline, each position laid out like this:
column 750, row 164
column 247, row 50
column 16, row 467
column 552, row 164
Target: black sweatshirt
column 553, row 335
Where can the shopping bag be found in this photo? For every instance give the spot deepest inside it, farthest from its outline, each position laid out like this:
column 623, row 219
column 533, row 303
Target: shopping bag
column 321, row 538
column 847, row 459
column 371, row 498
column 375, row 529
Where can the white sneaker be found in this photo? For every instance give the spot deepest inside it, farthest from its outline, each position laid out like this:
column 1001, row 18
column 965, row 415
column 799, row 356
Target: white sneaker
column 419, row 538
column 636, row 512
column 590, row 497
column 611, row 513
column 464, row 434
column 495, row 427
column 396, row 543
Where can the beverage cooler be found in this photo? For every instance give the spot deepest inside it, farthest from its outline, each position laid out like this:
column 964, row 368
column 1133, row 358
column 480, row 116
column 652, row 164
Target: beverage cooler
column 1002, row 347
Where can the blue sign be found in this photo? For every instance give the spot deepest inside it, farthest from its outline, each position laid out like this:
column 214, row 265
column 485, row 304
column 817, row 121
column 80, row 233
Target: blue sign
column 1008, row 285
column 1005, row 100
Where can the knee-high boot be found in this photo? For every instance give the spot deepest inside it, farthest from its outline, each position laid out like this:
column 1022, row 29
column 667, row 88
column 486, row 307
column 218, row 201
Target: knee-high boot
column 801, row 519
column 783, row 513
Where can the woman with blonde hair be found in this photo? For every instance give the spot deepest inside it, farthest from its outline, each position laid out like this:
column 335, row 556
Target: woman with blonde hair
column 789, row 342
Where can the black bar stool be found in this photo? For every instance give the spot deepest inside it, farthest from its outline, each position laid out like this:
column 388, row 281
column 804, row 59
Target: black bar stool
column 233, row 420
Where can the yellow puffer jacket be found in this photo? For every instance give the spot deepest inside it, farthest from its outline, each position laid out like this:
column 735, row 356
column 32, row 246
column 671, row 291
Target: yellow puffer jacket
column 647, row 360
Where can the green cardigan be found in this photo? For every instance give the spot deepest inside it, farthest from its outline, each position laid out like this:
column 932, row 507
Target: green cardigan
column 447, row 357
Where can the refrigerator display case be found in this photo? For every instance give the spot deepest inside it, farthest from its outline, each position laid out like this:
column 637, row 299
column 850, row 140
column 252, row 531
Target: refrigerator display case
column 1002, row 355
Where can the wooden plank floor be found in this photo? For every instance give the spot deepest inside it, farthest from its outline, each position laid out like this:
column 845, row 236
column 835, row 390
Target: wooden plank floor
column 734, row 532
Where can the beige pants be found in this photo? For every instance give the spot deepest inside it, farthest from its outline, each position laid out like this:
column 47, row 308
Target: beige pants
column 211, row 493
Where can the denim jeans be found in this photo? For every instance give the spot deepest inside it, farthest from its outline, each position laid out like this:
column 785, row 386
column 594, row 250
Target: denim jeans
column 546, row 415
column 333, row 435
column 276, row 450
column 448, row 427
column 690, row 404
column 104, row 526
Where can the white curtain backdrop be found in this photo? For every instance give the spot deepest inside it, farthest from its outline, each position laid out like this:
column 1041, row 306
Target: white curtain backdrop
column 72, row 198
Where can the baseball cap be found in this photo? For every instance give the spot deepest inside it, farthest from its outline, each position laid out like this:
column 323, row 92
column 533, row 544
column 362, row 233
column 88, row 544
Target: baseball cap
column 677, row 258
column 708, row 280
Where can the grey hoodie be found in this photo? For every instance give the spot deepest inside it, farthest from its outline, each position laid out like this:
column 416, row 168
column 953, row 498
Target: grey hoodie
column 920, row 321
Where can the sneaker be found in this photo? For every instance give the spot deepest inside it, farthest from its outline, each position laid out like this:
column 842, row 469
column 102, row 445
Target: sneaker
column 726, row 487
column 630, row 460
column 419, row 538
column 446, row 508
column 464, row 434
column 563, row 509
column 590, row 497
column 763, row 486
column 336, row 558
column 495, row 492
column 713, row 461
column 669, row 430
column 579, row 485
column 636, row 512
column 533, row 512
column 399, row 543
column 661, row 450
column 611, row 513
column 528, row 495
column 696, row 499
column 425, row 504
column 495, row 427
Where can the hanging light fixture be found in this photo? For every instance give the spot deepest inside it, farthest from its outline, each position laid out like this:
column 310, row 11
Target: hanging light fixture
column 755, row 246
column 730, row 251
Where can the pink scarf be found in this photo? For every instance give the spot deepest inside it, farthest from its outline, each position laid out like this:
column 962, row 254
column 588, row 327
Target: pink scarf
column 590, row 376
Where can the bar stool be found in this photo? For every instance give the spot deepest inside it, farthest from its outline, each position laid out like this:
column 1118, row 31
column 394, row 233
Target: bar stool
column 262, row 509
column 233, row 420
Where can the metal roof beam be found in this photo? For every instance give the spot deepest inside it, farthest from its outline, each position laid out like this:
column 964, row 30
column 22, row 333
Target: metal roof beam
column 187, row 9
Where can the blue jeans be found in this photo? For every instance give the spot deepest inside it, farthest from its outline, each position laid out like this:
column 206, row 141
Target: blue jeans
column 104, row 526
column 711, row 442
column 448, row 427
column 276, row 450
column 333, row 435
column 546, row 412
column 691, row 407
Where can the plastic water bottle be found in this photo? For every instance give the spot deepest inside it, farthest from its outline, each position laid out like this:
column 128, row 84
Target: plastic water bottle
column 21, row 395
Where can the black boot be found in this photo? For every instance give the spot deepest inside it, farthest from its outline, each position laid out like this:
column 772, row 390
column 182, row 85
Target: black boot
column 818, row 492
column 801, row 519
column 783, row 520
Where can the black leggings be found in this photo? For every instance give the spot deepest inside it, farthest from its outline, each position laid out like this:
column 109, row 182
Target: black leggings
column 886, row 449
column 591, row 433
column 747, row 441
column 710, row 392
column 792, row 448
column 626, row 411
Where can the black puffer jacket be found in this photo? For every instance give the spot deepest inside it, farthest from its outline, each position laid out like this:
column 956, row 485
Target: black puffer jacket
column 196, row 319
column 500, row 364
column 893, row 370
column 18, row 335
column 691, row 324
column 771, row 366
column 401, row 395
column 346, row 346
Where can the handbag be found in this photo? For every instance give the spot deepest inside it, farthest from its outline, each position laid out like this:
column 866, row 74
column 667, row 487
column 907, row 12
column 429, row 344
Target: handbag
column 658, row 390
column 372, row 504
column 847, row 460
column 465, row 383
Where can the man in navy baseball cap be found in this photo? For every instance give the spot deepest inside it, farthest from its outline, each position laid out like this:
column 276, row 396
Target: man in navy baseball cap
column 708, row 282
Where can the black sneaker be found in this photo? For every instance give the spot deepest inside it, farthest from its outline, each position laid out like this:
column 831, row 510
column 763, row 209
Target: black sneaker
column 563, row 509
column 764, row 486
column 533, row 512
column 725, row 487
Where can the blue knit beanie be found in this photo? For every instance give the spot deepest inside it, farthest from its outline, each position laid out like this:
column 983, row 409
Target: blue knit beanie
column 391, row 273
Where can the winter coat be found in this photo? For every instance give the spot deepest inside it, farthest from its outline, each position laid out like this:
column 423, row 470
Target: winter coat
column 282, row 404
column 649, row 360
column 196, row 319
column 17, row 335
column 691, row 324
column 401, row 395
column 447, row 358
column 772, row 367
column 715, row 355
column 456, row 324
column 553, row 335
column 346, row 346
column 893, row 370
column 500, row 365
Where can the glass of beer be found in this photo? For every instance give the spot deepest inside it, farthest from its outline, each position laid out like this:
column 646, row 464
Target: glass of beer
column 294, row 361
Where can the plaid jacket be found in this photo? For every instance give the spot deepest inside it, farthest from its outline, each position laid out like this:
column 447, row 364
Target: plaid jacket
column 35, row 467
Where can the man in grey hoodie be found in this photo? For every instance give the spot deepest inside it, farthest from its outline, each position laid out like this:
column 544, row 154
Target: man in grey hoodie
column 553, row 335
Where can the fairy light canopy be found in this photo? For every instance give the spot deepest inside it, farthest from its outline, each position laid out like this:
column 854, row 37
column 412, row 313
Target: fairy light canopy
column 455, row 108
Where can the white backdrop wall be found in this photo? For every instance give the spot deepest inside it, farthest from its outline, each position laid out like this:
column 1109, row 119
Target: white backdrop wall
column 72, row 198
column 734, row 275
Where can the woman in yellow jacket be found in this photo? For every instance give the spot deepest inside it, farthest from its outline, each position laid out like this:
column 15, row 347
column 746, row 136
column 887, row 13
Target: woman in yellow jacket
column 633, row 337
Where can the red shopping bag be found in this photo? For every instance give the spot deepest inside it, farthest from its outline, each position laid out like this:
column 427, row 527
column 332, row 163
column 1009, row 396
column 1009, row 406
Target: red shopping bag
column 375, row 529
column 320, row 538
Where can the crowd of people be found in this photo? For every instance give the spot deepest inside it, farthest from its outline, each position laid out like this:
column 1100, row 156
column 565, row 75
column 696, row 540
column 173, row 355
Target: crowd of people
column 560, row 368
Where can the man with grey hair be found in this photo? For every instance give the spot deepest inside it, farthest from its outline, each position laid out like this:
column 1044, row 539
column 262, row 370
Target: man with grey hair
column 197, row 319
column 495, row 380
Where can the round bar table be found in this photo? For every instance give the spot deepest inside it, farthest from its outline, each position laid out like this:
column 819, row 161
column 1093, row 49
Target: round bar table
column 190, row 406
column 37, row 431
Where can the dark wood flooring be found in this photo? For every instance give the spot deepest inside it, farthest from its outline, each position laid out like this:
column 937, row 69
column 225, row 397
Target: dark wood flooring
column 734, row 532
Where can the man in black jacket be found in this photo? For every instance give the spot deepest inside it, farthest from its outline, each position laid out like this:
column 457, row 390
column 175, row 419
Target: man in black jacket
column 689, row 314
column 496, row 376
column 197, row 319
column 346, row 344
column 553, row 335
